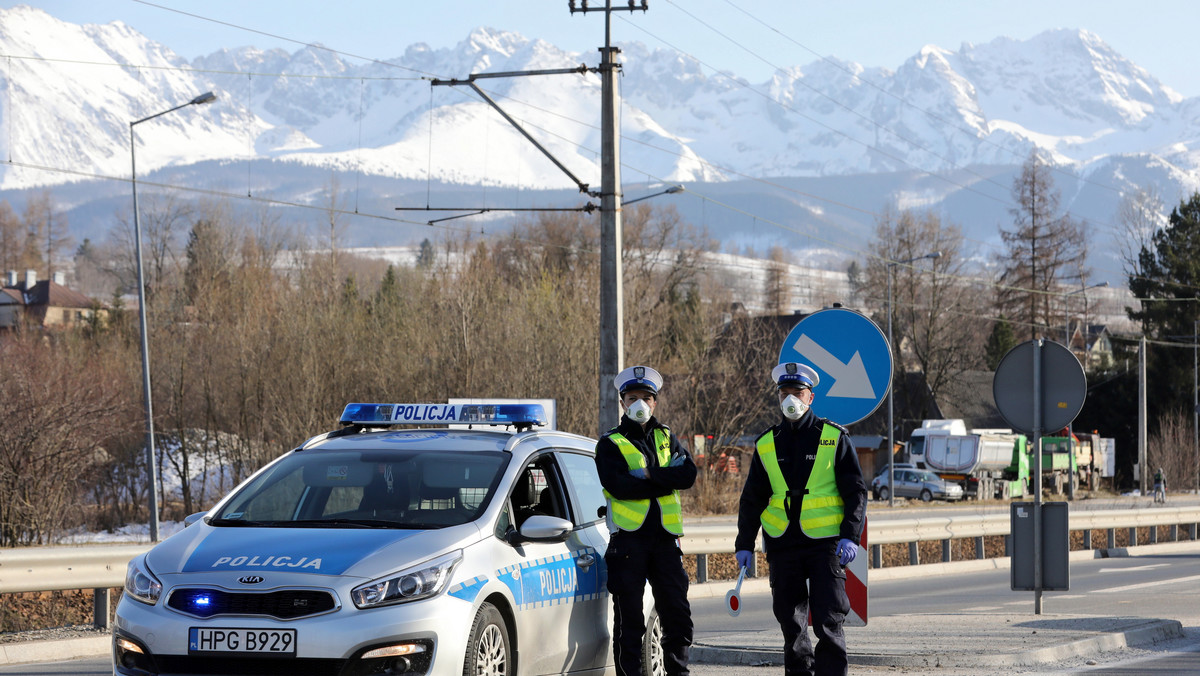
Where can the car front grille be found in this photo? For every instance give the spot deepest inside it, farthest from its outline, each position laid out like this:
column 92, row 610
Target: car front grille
column 283, row 604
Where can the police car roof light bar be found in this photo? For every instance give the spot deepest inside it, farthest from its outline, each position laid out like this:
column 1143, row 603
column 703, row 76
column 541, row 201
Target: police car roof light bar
column 520, row 416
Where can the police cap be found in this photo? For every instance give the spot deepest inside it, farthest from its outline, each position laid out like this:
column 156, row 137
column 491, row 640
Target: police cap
column 638, row 378
column 794, row 374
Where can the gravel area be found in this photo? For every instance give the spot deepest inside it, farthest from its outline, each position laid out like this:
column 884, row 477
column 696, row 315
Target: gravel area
column 53, row 634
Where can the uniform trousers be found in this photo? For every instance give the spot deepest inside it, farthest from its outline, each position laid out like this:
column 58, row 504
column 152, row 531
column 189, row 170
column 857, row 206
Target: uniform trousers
column 825, row 596
column 633, row 559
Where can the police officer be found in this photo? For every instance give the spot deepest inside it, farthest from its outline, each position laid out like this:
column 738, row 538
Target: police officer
column 643, row 467
column 807, row 493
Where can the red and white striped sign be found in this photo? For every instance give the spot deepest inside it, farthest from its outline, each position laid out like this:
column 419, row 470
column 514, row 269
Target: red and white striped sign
column 856, row 584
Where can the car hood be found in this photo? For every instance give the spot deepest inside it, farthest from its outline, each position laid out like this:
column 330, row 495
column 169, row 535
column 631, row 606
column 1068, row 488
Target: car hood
column 319, row 551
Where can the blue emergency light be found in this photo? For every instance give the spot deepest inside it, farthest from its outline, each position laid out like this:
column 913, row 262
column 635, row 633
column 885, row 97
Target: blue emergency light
column 382, row 415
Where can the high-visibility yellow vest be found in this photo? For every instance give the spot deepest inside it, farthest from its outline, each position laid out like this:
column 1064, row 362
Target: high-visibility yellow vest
column 631, row 514
column 821, row 510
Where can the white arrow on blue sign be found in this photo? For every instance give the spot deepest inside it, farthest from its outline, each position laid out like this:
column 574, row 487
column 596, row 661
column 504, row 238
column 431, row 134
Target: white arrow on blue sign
column 851, row 355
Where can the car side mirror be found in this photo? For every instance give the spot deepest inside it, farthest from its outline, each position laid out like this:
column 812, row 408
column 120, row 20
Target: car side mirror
column 193, row 518
column 542, row 528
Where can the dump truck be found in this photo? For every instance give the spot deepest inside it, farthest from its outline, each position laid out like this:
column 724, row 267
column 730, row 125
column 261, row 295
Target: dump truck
column 985, row 462
column 996, row 463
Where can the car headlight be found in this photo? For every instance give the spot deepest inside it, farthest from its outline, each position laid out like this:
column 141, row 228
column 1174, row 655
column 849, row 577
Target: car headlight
column 413, row 584
column 140, row 584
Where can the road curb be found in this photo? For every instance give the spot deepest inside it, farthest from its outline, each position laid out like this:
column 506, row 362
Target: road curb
column 1150, row 632
column 54, row 650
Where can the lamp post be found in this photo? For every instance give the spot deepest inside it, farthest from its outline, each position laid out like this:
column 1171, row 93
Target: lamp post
column 1067, row 342
column 890, row 435
column 1067, row 312
column 152, row 471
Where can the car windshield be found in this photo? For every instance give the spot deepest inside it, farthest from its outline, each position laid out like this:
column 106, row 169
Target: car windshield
column 373, row 489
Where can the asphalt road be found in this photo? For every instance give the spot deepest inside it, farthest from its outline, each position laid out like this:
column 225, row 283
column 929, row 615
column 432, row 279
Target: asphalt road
column 1157, row 586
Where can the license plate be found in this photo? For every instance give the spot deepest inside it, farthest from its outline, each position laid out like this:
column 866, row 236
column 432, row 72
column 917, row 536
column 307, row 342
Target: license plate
column 237, row 640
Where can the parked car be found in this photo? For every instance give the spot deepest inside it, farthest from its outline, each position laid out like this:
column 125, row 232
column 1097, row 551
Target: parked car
column 916, row 483
column 896, row 466
column 373, row 550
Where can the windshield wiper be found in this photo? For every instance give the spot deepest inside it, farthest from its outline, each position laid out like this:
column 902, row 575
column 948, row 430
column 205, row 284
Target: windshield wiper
column 241, row 522
column 339, row 523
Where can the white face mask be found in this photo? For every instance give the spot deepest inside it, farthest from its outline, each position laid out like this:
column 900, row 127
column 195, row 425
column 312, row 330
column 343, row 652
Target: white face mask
column 792, row 407
column 638, row 411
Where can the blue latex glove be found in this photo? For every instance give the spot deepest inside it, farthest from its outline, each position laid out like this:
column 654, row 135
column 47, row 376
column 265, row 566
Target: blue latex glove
column 638, row 472
column 744, row 558
column 846, row 551
column 677, row 460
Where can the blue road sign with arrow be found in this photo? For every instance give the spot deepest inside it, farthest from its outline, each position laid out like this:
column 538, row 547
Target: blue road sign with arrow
column 851, row 355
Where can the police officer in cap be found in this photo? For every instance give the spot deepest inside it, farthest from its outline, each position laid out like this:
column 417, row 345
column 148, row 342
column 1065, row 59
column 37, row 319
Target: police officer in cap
column 806, row 492
column 643, row 467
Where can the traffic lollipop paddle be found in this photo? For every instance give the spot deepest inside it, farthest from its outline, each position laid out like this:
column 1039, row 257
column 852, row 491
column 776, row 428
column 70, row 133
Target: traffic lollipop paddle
column 733, row 602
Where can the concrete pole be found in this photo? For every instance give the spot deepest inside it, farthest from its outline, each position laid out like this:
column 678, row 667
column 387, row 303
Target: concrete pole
column 1144, row 470
column 612, row 321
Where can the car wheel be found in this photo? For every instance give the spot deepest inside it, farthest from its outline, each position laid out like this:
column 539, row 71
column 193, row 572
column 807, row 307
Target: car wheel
column 488, row 650
column 652, row 651
column 884, row 493
column 926, row 495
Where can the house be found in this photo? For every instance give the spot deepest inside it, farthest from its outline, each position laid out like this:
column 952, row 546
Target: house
column 1091, row 344
column 46, row 304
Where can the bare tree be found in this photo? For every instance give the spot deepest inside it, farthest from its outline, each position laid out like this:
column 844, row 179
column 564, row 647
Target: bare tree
column 776, row 291
column 50, row 445
column 1140, row 214
column 1172, row 449
column 935, row 323
column 12, row 238
column 1046, row 249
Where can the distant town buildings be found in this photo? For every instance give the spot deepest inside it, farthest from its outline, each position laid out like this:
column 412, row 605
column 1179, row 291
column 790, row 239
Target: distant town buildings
column 46, row 304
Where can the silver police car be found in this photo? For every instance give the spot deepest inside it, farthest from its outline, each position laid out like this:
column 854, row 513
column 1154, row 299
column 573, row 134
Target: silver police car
column 473, row 548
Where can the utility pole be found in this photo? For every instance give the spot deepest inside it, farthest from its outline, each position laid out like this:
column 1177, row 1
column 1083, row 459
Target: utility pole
column 612, row 320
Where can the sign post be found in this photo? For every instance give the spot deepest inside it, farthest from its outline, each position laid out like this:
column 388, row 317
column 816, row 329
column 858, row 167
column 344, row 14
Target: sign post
column 1038, row 385
column 854, row 360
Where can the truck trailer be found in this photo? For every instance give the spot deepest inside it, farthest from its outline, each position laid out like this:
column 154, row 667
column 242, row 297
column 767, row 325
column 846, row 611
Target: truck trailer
column 997, row 463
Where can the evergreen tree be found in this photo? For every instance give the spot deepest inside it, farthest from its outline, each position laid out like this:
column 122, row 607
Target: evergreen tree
column 426, row 255
column 1167, row 276
column 999, row 342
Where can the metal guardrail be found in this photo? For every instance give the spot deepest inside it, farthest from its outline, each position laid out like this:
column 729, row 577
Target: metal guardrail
column 101, row 567
column 704, row 540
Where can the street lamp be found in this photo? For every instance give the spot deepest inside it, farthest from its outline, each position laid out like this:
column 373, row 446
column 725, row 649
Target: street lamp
column 206, row 97
column 891, row 441
column 669, row 191
column 1067, row 312
column 1070, row 425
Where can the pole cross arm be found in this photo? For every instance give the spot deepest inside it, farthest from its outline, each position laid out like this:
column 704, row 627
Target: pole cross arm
column 632, row 6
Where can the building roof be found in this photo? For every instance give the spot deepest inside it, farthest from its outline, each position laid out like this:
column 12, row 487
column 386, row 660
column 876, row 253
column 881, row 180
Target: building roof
column 50, row 294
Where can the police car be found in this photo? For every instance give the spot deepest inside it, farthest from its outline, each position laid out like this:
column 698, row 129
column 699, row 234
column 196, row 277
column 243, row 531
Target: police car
column 472, row 548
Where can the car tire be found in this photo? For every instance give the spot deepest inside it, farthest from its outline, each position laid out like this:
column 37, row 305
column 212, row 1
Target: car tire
column 653, row 659
column 926, row 495
column 884, row 494
column 488, row 650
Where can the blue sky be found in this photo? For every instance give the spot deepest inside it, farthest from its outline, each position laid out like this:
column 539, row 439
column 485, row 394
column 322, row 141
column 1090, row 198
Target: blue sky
column 754, row 35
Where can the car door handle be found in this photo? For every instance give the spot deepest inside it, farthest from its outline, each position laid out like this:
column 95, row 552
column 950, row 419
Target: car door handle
column 586, row 561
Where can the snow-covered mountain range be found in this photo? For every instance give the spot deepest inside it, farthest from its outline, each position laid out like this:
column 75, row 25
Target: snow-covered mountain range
column 818, row 149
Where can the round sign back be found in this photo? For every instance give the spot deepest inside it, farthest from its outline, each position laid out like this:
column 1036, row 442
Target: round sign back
column 1063, row 387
